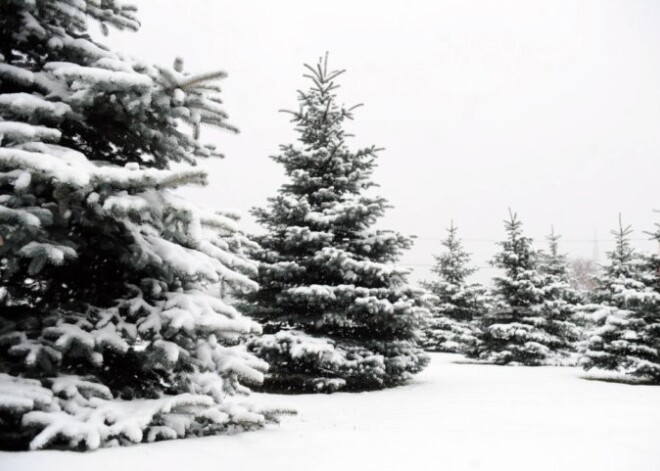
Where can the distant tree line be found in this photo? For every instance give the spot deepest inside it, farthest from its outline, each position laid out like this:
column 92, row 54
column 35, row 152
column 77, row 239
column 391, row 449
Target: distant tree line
column 544, row 310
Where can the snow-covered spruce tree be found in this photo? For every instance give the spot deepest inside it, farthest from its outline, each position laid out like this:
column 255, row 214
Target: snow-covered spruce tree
column 562, row 304
column 337, row 310
column 530, row 322
column 458, row 303
column 553, row 262
column 108, row 279
column 626, row 336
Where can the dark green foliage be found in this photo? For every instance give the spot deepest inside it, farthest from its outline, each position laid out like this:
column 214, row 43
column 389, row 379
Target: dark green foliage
column 626, row 333
column 107, row 278
column 458, row 303
column 532, row 321
column 339, row 311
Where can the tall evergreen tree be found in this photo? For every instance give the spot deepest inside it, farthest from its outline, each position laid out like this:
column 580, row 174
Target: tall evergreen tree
column 108, row 279
column 530, row 323
column 458, row 303
column 562, row 304
column 626, row 337
column 337, row 309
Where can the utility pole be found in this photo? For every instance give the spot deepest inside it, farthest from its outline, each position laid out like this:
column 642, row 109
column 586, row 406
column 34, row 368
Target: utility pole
column 595, row 255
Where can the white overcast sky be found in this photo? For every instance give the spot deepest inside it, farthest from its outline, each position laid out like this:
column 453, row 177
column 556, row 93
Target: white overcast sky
column 549, row 107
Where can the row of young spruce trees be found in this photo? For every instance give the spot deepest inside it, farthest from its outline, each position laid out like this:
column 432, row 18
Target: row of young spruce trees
column 533, row 315
column 113, row 327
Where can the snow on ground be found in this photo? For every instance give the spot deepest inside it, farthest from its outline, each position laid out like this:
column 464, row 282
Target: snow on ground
column 454, row 416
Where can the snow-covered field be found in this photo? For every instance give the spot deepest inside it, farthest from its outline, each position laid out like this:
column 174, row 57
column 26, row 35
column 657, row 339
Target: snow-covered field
column 452, row 417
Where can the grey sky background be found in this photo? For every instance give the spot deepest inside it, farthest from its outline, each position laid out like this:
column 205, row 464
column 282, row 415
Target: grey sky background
column 551, row 108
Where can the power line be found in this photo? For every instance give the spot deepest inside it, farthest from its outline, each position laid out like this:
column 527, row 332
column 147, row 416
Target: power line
column 429, row 265
column 572, row 241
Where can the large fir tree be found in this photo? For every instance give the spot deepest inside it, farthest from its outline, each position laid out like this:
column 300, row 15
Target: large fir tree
column 531, row 322
column 458, row 303
column 626, row 334
column 108, row 279
column 338, row 311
